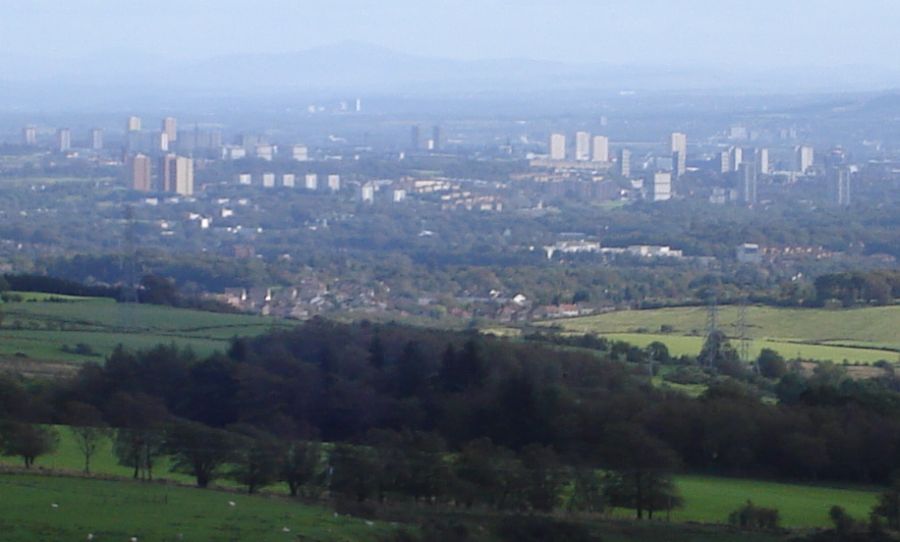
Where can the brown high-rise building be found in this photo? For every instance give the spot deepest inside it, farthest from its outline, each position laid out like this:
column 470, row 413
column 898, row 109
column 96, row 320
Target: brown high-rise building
column 166, row 182
column 139, row 173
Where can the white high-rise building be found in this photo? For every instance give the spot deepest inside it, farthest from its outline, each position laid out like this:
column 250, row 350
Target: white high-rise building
column 182, row 174
column 840, row 178
column 268, row 180
column 134, row 124
column 662, row 186
column 265, row 152
column 366, row 193
column 311, row 181
column 96, row 139
column 679, row 153
column 300, row 153
column 557, row 147
column 735, row 158
column 600, row 150
column 762, row 161
column 29, row 135
column 748, row 182
column 163, row 142
column 334, row 182
column 63, row 139
column 288, row 180
column 170, row 128
column 625, row 163
column 805, row 158
column 582, row 146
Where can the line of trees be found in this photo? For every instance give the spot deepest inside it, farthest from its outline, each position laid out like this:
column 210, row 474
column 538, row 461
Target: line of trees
column 591, row 409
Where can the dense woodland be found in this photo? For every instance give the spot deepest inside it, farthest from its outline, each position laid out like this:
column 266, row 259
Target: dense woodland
column 462, row 418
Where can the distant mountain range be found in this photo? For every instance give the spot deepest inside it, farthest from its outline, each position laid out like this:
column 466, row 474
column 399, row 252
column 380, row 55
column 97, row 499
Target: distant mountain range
column 358, row 68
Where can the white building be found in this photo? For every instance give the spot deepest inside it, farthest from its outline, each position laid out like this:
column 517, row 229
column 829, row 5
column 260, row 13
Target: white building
column 311, row 181
column 288, row 180
column 268, row 180
column 265, row 152
column 234, row 152
column 762, row 161
column 582, row 146
column 805, row 157
column 334, row 182
column 679, row 153
column 398, row 195
column 662, row 186
column 300, row 153
column 749, row 253
column 366, row 193
column 557, row 147
column 134, row 124
column 600, row 149
column 183, row 175
column 245, row 179
column 735, row 158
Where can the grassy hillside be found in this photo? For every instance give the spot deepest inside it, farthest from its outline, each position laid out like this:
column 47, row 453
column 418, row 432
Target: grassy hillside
column 157, row 513
column 864, row 335
column 39, row 329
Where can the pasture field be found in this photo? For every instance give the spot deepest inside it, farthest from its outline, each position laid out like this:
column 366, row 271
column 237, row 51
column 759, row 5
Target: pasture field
column 40, row 330
column 858, row 335
column 710, row 499
column 119, row 510
column 707, row 499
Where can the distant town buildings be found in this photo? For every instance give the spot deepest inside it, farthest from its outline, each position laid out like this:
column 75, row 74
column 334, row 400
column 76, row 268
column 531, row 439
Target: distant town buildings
column 29, row 136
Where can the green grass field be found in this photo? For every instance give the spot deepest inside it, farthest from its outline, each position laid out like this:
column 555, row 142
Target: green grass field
column 858, row 335
column 710, row 500
column 40, row 329
column 117, row 510
column 707, row 499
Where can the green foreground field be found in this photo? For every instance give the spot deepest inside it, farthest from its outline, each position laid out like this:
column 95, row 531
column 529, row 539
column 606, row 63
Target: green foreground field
column 862, row 335
column 40, row 330
column 707, row 499
column 50, row 509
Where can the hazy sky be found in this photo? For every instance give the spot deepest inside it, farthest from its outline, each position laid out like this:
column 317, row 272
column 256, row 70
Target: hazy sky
column 753, row 33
